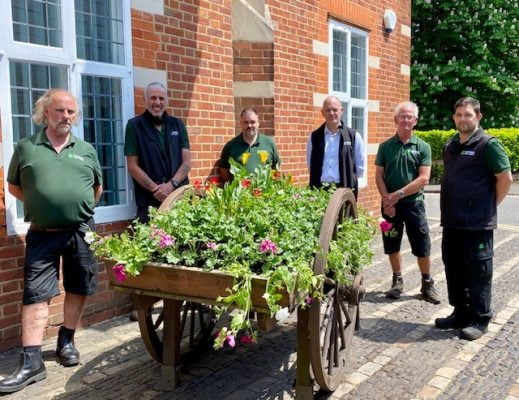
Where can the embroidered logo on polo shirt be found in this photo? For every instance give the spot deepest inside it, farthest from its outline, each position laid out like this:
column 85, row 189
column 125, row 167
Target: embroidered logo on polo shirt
column 174, row 133
column 468, row 152
column 76, row 157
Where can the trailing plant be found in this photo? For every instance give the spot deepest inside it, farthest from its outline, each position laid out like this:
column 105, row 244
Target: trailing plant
column 257, row 224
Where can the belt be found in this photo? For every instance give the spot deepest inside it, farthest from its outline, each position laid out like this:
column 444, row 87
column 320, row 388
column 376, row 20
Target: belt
column 33, row 227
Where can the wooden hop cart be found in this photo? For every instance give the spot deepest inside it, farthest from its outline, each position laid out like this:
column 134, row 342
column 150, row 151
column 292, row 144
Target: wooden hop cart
column 324, row 329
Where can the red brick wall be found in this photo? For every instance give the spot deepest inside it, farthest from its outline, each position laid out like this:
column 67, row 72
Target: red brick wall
column 254, row 61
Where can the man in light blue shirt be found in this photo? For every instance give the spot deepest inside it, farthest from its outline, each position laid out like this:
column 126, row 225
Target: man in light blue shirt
column 334, row 153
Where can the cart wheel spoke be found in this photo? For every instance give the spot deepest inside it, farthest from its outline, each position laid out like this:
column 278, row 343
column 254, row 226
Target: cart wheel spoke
column 333, row 317
column 196, row 325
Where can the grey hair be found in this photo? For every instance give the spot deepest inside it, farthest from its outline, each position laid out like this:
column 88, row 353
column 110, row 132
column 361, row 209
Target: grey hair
column 406, row 104
column 154, row 85
column 38, row 115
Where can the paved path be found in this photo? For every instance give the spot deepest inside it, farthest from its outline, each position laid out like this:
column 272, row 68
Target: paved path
column 397, row 354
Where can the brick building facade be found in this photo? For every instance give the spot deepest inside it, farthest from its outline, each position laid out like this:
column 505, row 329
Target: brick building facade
column 215, row 57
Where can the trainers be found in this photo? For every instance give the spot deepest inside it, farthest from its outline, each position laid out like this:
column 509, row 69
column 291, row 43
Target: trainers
column 396, row 288
column 474, row 331
column 451, row 322
column 429, row 292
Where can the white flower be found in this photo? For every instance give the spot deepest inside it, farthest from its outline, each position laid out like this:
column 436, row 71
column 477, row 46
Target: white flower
column 89, row 237
column 282, row 314
column 266, row 296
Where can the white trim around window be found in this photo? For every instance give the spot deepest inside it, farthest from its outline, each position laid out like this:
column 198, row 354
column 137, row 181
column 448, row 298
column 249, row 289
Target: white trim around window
column 342, row 75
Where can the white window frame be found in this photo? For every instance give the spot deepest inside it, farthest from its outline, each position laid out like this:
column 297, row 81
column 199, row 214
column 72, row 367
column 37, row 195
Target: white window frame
column 66, row 56
column 345, row 97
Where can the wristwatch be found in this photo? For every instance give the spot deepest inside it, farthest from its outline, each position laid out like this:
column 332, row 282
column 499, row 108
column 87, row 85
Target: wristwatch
column 174, row 183
column 401, row 194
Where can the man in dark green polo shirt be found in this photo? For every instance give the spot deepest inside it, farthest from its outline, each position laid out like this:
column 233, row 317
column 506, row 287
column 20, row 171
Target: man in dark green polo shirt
column 403, row 168
column 58, row 178
column 251, row 141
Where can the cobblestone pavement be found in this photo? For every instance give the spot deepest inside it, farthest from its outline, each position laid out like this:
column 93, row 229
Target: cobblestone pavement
column 397, row 353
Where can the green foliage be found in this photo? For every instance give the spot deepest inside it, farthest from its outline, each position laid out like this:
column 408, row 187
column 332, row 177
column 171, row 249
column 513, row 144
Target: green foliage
column 436, row 139
column 465, row 49
column 258, row 224
column 509, row 137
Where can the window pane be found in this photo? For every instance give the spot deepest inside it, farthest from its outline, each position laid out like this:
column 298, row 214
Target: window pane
column 340, row 61
column 99, row 35
column 103, row 126
column 28, row 83
column 357, row 120
column 37, row 21
column 358, row 67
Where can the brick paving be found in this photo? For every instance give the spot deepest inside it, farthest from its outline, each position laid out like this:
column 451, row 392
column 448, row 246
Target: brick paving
column 397, row 354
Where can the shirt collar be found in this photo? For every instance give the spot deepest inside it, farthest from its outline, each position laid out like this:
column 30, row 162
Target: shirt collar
column 412, row 140
column 256, row 143
column 42, row 138
column 328, row 132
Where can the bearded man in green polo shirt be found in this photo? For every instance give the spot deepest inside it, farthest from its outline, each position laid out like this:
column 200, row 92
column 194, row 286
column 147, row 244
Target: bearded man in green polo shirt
column 58, row 178
column 250, row 141
column 477, row 178
column 403, row 168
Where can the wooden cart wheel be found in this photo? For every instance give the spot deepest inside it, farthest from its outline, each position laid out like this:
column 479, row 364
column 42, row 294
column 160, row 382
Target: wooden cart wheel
column 196, row 325
column 196, row 320
column 333, row 318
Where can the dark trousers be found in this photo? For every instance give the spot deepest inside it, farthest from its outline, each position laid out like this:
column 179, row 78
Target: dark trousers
column 467, row 257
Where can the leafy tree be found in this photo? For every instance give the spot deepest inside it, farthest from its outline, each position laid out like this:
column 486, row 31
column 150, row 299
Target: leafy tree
column 465, row 48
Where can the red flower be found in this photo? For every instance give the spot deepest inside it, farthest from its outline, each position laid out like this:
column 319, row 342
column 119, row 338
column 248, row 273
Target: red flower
column 257, row 192
column 197, row 184
column 214, row 180
column 246, row 339
column 245, row 183
column 276, row 175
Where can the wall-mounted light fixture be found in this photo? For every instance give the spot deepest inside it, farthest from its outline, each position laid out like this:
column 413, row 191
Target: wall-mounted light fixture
column 389, row 20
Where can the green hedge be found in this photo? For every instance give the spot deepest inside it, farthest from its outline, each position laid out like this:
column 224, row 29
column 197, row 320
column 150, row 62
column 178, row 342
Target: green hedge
column 509, row 137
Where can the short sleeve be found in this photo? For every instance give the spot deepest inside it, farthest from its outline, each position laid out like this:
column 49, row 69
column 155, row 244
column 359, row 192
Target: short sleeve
column 425, row 154
column 184, row 138
column 224, row 157
column 13, row 174
column 130, row 141
column 380, row 160
column 495, row 157
column 276, row 160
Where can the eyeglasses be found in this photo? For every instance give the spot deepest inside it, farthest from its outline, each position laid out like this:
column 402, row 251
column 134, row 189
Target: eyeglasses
column 406, row 117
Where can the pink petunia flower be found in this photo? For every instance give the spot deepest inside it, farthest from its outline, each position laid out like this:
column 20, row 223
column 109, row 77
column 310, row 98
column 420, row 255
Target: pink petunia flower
column 385, row 226
column 309, row 300
column 230, row 340
column 166, row 241
column 267, row 246
column 211, row 245
column 119, row 272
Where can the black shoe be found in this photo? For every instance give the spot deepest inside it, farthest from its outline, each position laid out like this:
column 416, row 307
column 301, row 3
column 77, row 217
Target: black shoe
column 396, row 288
column 474, row 331
column 452, row 322
column 31, row 369
column 429, row 292
column 68, row 355
column 134, row 315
